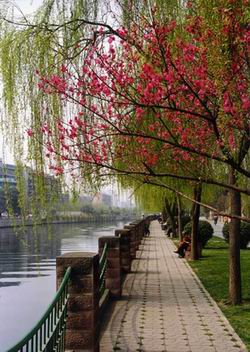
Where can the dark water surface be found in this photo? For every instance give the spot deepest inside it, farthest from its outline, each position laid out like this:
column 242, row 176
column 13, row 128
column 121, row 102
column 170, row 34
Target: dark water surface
column 27, row 271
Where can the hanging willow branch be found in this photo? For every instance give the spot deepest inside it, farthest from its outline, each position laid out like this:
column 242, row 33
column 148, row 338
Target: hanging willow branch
column 27, row 46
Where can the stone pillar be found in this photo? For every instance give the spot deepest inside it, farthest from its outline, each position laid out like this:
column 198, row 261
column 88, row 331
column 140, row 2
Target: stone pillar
column 139, row 229
column 146, row 223
column 143, row 224
column 113, row 280
column 134, row 245
column 125, row 249
column 82, row 328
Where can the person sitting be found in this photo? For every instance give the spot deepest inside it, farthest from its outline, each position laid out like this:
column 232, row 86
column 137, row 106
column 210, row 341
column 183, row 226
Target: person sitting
column 183, row 246
column 215, row 218
column 160, row 220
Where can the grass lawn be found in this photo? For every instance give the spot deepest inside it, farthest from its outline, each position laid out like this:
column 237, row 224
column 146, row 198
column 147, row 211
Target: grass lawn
column 212, row 270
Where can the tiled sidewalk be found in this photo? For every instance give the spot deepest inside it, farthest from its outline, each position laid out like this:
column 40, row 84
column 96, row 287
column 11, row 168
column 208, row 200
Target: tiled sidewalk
column 164, row 307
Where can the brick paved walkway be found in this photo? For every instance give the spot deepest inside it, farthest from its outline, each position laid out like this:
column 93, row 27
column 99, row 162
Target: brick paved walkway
column 164, row 307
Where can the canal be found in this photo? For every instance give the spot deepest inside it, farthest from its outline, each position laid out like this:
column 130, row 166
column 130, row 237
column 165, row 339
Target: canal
column 27, row 271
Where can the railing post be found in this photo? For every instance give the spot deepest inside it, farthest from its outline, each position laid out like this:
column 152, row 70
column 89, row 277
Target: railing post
column 125, row 249
column 113, row 271
column 82, row 327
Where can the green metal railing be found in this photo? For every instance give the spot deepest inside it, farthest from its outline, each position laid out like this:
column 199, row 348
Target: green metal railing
column 49, row 333
column 102, row 269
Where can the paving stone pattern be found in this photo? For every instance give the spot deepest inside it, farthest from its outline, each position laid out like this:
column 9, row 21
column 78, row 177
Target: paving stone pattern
column 164, row 307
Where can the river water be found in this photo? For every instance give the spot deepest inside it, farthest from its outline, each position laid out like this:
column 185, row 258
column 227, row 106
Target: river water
column 27, row 271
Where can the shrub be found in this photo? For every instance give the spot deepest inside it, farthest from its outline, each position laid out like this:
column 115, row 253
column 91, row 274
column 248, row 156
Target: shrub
column 205, row 231
column 244, row 233
column 185, row 218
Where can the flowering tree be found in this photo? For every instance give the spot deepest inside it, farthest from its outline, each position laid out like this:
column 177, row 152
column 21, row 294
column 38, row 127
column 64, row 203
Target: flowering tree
column 170, row 95
column 156, row 93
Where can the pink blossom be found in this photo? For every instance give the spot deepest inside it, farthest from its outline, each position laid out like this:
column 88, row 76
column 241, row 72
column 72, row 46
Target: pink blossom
column 30, row 132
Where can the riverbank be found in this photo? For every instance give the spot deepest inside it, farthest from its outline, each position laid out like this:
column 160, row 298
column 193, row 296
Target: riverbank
column 19, row 222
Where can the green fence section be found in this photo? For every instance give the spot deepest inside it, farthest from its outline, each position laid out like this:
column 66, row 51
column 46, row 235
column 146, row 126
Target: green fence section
column 102, row 269
column 49, row 333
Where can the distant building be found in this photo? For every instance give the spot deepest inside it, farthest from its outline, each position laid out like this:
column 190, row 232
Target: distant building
column 64, row 197
column 7, row 175
column 50, row 185
column 126, row 204
column 85, row 198
column 102, row 198
column 122, row 200
column 8, row 180
column 107, row 199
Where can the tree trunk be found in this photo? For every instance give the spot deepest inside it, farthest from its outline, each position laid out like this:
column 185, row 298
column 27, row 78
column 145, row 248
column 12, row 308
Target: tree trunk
column 179, row 217
column 195, row 222
column 234, row 243
column 170, row 217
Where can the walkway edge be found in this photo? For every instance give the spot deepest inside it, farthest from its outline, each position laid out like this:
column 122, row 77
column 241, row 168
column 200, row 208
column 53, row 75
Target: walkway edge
column 233, row 332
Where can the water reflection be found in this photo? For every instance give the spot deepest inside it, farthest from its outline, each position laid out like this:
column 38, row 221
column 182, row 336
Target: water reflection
column 27, row 271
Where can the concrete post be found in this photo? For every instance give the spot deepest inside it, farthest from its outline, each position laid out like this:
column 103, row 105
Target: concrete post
column 125, row 249
column 82, row 328
column 113, row 273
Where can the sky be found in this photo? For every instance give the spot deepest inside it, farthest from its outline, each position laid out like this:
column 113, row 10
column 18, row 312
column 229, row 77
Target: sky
column 28, row 6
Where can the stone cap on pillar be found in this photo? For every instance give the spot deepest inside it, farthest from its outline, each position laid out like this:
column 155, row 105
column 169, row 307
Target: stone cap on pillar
column 80, row 262
column 129, row 226
column 122, row 232
column 112, row 241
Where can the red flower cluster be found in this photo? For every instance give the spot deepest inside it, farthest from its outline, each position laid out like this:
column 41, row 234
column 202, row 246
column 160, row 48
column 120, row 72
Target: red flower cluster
column 153, row 94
